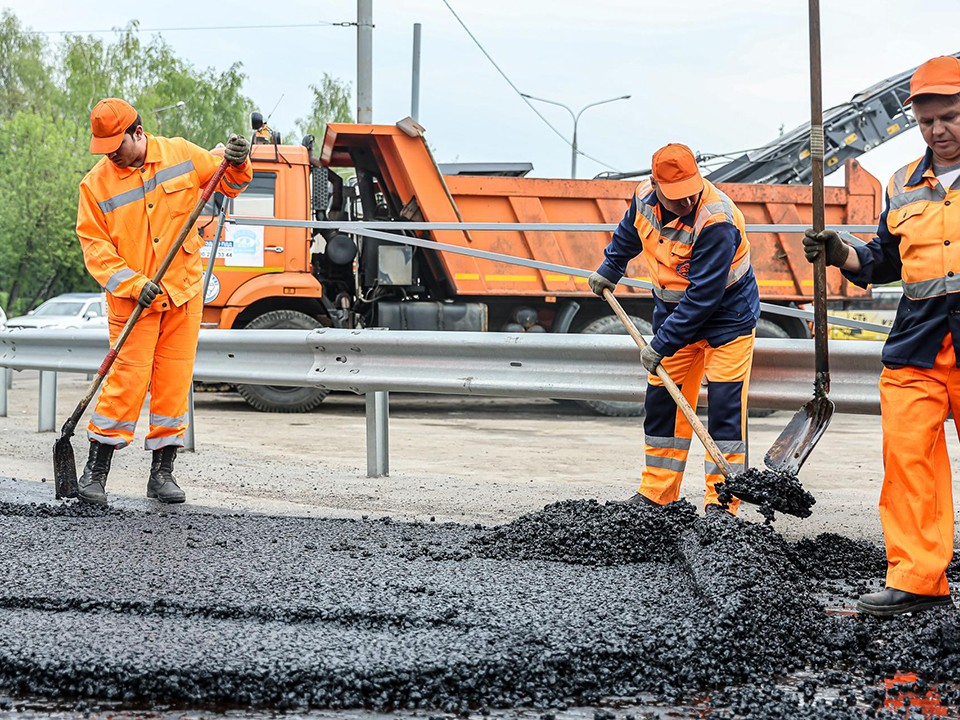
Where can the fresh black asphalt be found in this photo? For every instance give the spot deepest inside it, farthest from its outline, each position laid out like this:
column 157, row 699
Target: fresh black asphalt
column 578, row 604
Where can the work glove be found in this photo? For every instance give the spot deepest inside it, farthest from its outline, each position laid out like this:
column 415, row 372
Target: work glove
column 650, row 358
column 236, row 150
column 149, row 294
column 598, row 282
column 829, row 241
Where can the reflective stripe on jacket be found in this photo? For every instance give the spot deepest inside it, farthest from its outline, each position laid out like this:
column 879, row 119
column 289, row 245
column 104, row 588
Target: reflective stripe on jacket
column 129, row 218
column 918, row 242
column 706, row 289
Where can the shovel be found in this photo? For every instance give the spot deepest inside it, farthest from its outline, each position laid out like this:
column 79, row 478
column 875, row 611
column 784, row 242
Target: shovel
column 64, row 463
column 672, row 388
column 805, row 429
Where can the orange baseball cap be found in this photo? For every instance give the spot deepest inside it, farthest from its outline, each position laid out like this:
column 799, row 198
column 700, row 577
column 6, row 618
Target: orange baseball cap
column 937, row 76
column 676, row 172
column 109, row 121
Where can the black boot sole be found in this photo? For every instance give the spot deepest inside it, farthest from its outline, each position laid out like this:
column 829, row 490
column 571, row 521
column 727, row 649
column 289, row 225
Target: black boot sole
column 901, row 608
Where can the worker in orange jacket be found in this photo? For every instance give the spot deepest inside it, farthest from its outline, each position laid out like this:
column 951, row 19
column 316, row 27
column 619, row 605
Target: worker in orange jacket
column 133, row 204
column 706, row 306
column 918, row 242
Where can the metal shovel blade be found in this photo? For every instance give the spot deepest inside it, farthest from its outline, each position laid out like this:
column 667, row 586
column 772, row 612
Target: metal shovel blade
column 799, row 437
column 64, row 468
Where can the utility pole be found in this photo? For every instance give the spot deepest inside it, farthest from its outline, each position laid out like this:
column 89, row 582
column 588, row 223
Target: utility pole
column 365, row 61
column 415, row 81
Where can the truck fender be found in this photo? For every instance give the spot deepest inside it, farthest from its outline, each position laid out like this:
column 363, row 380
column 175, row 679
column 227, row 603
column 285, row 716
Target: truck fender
column 564, row 318
column 290, row 285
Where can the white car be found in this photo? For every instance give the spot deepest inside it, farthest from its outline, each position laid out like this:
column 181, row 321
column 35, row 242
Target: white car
column 71, row 311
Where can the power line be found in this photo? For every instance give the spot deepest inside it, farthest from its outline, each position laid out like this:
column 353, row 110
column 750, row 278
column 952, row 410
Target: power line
column 319, row 23
column 517, row 90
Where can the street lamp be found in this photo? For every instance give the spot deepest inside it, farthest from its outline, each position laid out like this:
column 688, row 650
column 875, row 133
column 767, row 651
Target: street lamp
column 179, row 105
column 576, row 119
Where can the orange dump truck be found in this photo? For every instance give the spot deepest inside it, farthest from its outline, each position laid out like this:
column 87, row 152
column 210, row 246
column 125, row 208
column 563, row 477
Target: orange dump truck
column 276, row 277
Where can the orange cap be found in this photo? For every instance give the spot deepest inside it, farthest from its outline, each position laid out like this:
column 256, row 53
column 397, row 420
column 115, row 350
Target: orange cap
column 109, row 121
column 676, row 172
column 938, row 76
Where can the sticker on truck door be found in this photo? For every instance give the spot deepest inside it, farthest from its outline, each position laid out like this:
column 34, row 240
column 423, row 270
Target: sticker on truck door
column 247, row 244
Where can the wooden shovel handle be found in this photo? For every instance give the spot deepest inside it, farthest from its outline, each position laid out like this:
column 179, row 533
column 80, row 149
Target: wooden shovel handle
column 672, row 388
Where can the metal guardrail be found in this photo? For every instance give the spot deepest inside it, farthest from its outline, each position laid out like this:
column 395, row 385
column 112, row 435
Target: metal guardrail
column 375, row 362
column 367, row 229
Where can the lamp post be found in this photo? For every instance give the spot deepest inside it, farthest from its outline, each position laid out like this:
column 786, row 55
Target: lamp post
column 179, row 105
column 576, row 119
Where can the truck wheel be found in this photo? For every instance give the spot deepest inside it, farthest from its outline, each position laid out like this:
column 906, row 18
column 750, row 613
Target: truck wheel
column 611, row 325
column 275, row 398
column 767, row 329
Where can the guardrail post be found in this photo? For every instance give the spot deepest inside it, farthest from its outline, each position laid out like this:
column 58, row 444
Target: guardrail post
column 189, row 438
column 378, row 433
column 48, row 401
column 5, row 374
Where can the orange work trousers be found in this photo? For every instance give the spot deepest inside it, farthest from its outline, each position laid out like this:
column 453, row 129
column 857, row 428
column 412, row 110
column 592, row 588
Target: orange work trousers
column 916, row 502
column 159, row 355
column 667, row 432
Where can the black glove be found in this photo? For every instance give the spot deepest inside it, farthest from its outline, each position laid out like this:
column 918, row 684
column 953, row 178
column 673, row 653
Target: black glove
column 837, row 251
column 149, row 294
column 598, row 283
column 236, row 150
column 650, row 358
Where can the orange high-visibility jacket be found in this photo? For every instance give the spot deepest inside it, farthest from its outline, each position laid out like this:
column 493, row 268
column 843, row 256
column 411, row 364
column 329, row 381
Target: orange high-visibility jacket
column 667, row 247
column 919, row 215
column 129, row 218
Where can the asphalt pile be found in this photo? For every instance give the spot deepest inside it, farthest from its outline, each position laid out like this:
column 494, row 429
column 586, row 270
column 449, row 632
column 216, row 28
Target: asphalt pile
column 581, row 603
column 770, row 490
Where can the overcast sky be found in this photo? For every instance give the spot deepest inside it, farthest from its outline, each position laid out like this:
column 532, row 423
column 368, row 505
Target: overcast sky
column 718, row 76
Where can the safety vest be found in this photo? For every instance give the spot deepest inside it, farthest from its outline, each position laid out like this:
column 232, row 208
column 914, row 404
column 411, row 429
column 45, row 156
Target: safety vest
column 668, row 247
column 926, row 218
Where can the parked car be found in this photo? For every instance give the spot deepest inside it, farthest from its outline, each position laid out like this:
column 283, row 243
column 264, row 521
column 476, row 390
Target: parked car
column 68, row 312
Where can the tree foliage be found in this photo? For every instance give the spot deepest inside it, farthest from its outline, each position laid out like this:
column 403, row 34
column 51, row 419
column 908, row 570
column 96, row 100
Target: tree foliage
column 47, row 92
column 331, row 103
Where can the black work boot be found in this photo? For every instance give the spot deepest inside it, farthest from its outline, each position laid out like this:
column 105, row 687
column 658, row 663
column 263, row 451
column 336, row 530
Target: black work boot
column 890, row 601
column 163, row 485
column 639, row 499
column 93, row 482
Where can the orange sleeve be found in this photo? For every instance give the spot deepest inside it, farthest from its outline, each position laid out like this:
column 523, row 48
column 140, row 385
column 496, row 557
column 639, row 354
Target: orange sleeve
column 235, row 179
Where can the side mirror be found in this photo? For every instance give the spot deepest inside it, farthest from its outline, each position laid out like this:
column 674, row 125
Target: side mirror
column 90, row 314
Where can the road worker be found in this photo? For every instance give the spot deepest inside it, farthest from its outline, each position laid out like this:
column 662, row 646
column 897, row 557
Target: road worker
column 918, row 242
column 133, row 204
column 706, row 306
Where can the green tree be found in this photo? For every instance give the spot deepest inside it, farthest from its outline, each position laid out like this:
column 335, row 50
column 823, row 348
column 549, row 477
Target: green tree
column 331, row 103
column 47, row 94
column 24, row 75
column 39, row 254
column 150, row 76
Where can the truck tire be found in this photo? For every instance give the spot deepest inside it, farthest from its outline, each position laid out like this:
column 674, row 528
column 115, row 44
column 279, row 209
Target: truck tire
column 276, row 398
column 767, row 329
column 611, row 325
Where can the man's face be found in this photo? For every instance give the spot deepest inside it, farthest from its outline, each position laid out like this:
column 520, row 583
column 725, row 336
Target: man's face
column 131, row 151
column 939, row 119
column 681, row 207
